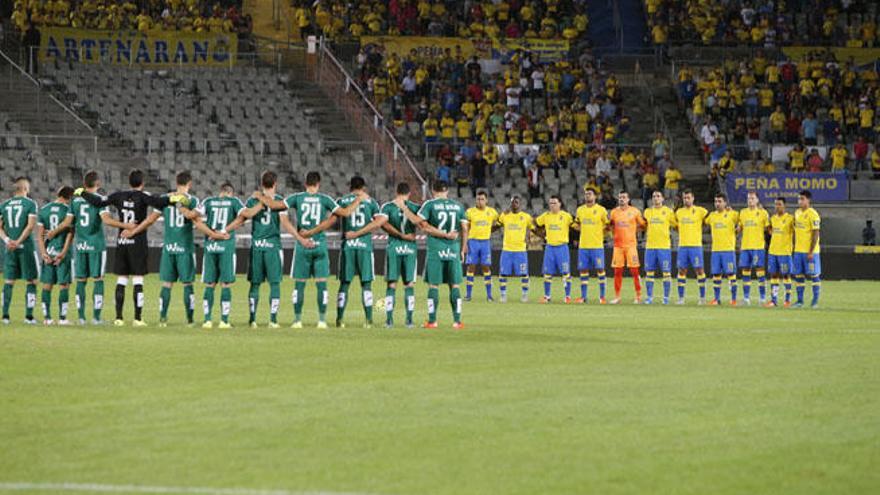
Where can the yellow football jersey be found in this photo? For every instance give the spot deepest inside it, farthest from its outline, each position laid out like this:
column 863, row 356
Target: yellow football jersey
column 805, row 222
column 782, row 227
column 516, row 230
column 754, row 225
column 690, row 226
column 481, row 222
column 556, row 225
column 593, row 220
column 660, row 220
column 723, row 227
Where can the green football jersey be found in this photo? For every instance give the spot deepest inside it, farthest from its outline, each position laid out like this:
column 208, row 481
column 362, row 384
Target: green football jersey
column 447, row 216
column 88, row 225
column 366, row 211
column 177, row 236
column 265, row 227
column 311, row 210
column 15, row 212
column 398, row 220
column 50, row 218
column 220, row 212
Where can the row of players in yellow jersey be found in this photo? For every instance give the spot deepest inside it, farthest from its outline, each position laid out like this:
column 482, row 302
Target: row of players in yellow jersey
column 792, row 252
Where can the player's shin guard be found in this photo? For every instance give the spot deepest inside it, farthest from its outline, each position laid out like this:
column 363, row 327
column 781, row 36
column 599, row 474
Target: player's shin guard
column 799, row 287
column 682, row 284
column 548, row 284
column 367, row 298
column 487, row 280
column 63, row 301
column 816, row 284
column 390, row 296
column 7, row 299
column 323, row 299
column 637, row 281
column 618, row 281
column 189, row 302
column 701, row 284
column 121, row 284
column 164, row 302
column 80, row 298
column 470, row 283
column 667, row 285
column 566, row 281
column 787, row 284
column 601, row 276
column 138, row 298
column 455, row 302
column 46, row 303
column 274, row 301
column 716, row 286
column 731, row 282
column 585, row 285
column 98, row 296
column 341, row 301
column 30, row 301
column 762, row 284
column 409, row 294
column 253, row 301
column 433, row 300
column 747, row 284
column 298, row 299
column 208, row 302
column 649, row 284
column 225, row 304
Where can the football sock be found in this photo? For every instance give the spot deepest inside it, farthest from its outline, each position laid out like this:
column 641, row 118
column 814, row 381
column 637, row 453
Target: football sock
column 667, row 285
column 799, row 285
column 716, row 286
column 817, row 288
column 637, row 281
column 731, row 282
column 433, row 299
column 63, row 301
column 208, row 301
column 164, row 300
column 390, row 296
column 80, row 297
column 502, row 286
column 649, row 284
column 138, row 301
column 787, row 284
column 455, row 301
column 30, row 301
column 409, row 294
column 487, row 279
column 618, row 281
column 323, row 299
column 253, row 301
column 7, row 299
column 189, row 302
column 299, row 288
column 601, row 275
column 566, row 279
column 762, row 284
column 225, row 303
column 747, row 284
column 585, row 284
column 682, row 283
column 341, row 300
column 525, row 285
column 367, row 298
column 46, row 303
column 774, row 290
column 274, row 301
column 121, row 284
column 470, row 283
column 548, row 284
column 98, row 296
column 701, row 284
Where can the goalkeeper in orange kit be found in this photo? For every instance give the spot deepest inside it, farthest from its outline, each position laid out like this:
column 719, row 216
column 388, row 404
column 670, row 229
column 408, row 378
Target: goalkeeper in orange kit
column 626, row 220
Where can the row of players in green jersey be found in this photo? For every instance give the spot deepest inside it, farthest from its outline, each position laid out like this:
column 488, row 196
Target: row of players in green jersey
column 218, row 218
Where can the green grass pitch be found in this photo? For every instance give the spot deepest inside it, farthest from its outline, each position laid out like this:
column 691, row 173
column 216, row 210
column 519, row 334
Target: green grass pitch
column 529, row 399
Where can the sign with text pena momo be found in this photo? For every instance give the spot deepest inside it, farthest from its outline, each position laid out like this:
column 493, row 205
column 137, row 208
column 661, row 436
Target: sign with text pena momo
column 825, row 187
column 153, row 48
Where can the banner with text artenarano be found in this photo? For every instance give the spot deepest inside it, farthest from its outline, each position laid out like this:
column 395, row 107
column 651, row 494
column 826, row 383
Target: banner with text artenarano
column 825, row 187
column 153, row 48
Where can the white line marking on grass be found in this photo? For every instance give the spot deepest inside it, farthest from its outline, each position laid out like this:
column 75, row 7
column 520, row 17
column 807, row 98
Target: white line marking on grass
column 189, row 490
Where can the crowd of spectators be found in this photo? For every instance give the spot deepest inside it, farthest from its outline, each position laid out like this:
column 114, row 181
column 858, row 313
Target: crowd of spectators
column 741, row 109
column 851, row 23
column 546, row 19
column 150, row 15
